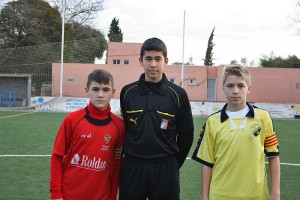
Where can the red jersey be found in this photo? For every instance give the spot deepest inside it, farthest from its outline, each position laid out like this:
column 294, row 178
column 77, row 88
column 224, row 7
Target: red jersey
column 85, row 161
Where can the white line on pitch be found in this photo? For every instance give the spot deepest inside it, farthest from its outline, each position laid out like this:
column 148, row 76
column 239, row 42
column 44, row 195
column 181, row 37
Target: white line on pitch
column 290, row 164
column 188, row 158
column 25, row 155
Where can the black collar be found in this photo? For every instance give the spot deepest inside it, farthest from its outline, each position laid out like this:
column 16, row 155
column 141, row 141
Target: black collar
column 97, row 122
column 224, row 116
column 161, row 87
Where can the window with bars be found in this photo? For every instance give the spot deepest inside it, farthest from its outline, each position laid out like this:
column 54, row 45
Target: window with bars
column 116, row 62
column 211, row 90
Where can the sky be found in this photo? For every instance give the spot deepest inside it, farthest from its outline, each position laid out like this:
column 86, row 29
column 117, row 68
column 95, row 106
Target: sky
column 243, row 29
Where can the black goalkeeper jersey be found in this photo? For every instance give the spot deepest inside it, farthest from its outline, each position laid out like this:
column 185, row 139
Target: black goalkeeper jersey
column 158, row 120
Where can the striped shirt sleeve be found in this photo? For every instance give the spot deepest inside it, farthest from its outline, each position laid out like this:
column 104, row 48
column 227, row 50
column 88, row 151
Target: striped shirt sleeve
column 271, row 145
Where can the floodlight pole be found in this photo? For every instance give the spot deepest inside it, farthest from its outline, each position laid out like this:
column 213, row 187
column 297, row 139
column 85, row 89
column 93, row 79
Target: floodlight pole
column 62, row 47
column 182, row 64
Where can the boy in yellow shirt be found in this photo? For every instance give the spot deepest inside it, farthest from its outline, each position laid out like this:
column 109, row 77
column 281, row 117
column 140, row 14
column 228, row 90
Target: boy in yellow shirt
column 233, row 145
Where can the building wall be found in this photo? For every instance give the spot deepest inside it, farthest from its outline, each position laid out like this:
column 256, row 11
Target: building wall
column 269, row 85
column 276, row 85
column 123, row 74
column 196, row 92
column 123, row 51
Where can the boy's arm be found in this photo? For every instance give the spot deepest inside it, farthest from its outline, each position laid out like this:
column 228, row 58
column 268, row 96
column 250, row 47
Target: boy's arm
column 116, row 165
column 61, row 144
column 122, row 105
column 56, row 176
column 274, row 164
column 185, row 129
column 205, row 179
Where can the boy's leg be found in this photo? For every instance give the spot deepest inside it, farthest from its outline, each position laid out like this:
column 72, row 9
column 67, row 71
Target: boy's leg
column 164, row 180
column 132, row 180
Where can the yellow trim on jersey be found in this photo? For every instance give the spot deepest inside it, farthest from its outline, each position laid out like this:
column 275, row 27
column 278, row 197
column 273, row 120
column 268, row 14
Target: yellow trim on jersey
column 128, row 90
column 134, row 111
column 167, row 114
column 117, row 153
column 176, row 95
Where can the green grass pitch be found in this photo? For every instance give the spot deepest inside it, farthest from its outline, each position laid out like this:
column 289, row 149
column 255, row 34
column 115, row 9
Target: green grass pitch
column 23, row 133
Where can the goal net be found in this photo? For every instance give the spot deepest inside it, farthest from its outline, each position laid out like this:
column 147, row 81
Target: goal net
column 15, row 90
column 26, row 72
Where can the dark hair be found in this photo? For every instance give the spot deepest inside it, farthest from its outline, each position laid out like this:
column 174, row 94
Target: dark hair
column 100, row 76
column 154, row 44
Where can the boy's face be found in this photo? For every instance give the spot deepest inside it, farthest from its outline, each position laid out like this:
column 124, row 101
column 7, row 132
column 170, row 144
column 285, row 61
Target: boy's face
column 153, row 63
column 100, row 94
column 236, row 90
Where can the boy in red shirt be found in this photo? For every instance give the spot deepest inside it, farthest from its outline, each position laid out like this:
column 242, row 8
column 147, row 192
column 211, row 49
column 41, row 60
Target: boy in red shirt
column 85, row 161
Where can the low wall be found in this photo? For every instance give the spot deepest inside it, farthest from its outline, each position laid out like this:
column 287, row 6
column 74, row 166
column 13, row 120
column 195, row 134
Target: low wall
column 69, row 104
column 275, row 110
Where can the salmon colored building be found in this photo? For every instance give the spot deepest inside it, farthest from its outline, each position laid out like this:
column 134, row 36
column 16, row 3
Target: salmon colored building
column 202, row 83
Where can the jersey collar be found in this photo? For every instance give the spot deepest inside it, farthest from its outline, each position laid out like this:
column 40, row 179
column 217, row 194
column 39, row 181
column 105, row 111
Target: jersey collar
column 224, row 116
column 97, row 117
column 160, row 89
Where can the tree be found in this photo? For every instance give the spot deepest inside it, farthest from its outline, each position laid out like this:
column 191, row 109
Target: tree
column 115, row 33
column 279, row 62
column 88, row 43
column 244, row 61
column 35, row 24
column 79, row 13
column 208, row 61
column 233, row 62
column 29, row 22
column 82, row 12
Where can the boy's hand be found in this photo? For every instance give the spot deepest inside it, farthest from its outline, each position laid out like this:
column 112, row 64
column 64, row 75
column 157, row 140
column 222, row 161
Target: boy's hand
column 274, row 196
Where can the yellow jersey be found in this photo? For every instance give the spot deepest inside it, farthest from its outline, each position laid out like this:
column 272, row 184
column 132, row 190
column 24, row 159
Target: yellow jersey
column 235, row 149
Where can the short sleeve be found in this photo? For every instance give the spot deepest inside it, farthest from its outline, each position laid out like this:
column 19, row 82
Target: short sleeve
column 205, row 153
column 271, row 145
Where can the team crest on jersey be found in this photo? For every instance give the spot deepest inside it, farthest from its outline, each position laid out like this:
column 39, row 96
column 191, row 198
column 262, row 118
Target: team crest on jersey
column 164, row 124
column 107, row 138
column 255, row 129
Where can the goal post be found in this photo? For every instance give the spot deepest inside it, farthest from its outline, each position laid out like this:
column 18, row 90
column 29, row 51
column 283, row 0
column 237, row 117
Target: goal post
column 15, row 90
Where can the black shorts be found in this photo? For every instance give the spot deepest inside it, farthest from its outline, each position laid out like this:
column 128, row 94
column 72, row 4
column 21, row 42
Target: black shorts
column 152, row 179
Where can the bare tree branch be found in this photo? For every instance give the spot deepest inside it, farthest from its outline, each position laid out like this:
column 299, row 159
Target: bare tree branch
column 80, row 11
